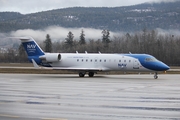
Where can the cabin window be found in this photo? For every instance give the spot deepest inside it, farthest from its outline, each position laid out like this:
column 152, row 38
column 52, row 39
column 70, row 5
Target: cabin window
column 124, row 60
column 91, row 60
column 129, row 60
column 119, row 60
column 77, row 60
column 95, row 60
column 86, row 60
column 99, row 60
column 82, row 60
column 104, row 60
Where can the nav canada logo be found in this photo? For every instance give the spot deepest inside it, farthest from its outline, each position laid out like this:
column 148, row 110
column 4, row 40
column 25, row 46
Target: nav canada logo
column 31, row 47
column 122, row 66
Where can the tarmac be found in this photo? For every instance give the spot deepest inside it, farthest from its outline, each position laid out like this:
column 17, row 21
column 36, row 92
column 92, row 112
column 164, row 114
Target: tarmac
column 103, row 97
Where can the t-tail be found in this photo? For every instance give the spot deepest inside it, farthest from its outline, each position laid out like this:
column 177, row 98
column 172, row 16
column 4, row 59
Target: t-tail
column 32, row 49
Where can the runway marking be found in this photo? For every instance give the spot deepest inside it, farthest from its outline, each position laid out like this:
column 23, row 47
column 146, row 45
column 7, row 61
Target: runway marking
column 9, row 116
column 54, row 119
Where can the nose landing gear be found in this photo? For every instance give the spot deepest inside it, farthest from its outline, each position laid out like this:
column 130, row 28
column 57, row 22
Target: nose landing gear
column 155, row 75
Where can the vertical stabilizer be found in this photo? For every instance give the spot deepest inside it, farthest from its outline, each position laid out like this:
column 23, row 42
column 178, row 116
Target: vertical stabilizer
column 31, row 47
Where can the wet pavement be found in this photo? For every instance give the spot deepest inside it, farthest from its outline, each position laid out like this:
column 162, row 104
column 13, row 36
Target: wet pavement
column 103, row 97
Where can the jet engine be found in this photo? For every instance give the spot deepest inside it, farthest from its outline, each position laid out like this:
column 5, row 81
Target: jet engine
column 51, row 57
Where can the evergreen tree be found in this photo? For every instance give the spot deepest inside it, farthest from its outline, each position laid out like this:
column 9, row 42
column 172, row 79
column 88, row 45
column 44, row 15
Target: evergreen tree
column 48, row 44
column 82, row 40
column 105, row 37
column 69, row 39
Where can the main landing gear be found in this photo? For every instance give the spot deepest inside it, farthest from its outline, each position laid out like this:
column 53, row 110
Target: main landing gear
column 82, row 74
column 91, row 74
column 155, row 75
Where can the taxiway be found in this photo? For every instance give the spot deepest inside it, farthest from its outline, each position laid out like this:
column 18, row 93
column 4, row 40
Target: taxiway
column 103, row 97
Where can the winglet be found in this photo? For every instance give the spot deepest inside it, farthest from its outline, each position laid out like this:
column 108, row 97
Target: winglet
column 35, row 64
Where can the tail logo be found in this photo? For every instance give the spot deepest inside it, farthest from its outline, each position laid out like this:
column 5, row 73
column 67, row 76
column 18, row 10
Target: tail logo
column 31, row 47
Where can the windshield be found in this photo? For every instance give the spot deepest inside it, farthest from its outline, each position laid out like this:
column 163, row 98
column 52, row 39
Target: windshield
column 152, row 59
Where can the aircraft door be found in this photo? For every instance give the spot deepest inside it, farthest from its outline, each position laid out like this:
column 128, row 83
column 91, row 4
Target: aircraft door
column 135, row 64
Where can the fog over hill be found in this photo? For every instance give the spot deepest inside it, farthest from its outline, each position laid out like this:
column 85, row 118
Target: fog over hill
column 164, row 17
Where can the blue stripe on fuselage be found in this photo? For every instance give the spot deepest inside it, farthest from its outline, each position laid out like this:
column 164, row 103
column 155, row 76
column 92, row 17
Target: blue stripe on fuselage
column 155, row 65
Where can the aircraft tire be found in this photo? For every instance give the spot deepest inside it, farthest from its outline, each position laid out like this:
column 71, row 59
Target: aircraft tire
column 81, row 74
column 91, row 74
column 155, row 76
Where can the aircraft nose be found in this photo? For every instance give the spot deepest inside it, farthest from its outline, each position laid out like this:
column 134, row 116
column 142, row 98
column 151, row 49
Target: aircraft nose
column 164, row 67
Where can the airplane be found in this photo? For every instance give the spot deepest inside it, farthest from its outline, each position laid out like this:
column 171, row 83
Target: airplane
column 91, row 63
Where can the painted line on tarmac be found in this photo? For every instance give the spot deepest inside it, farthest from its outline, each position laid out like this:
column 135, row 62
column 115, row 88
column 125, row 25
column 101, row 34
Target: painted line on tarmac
column 9, row 116
column 53, row 119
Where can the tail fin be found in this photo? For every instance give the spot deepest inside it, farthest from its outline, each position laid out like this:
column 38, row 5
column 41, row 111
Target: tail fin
column 31, row 47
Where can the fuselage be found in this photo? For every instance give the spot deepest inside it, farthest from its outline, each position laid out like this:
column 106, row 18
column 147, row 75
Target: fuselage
column 108, row 62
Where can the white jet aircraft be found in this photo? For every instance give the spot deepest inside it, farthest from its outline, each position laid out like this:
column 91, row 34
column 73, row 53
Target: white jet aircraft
column 91, row 63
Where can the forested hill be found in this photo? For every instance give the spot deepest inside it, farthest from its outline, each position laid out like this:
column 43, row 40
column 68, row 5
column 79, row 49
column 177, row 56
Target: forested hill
column 129, row 19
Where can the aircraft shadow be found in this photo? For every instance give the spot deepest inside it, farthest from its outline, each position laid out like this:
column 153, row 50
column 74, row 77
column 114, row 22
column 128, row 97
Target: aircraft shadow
column 105, row 77
column 71, row 76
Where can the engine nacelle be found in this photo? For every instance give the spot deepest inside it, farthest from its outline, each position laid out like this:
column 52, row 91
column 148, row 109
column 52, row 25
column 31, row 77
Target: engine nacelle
column 51, row 57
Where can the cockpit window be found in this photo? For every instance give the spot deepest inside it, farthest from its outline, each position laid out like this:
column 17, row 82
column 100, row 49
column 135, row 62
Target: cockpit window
column 150, row 59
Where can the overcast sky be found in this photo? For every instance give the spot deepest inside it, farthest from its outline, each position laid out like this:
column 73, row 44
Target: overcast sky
column 32, row 6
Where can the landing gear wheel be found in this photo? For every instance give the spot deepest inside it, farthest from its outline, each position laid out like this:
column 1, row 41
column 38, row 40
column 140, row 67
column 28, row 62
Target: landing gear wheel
column 91, row 74
column 155, row 76
column 81, row 74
